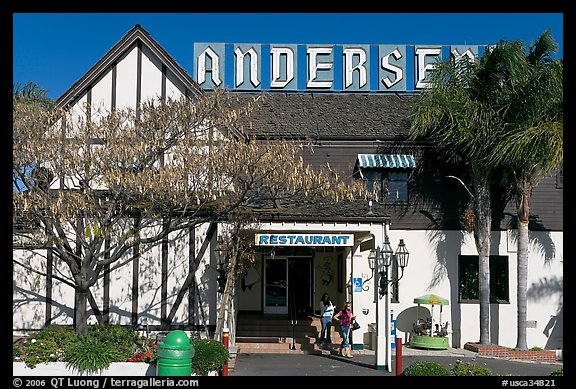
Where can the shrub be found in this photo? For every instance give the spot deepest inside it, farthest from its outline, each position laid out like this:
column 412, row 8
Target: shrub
column 425, row 368
column 103, row 344
column 120, row 338
column 558, row 372
column 63, row 335
column 89, row 354
column 15, row 352
column 40, row 351
column 469, row 369
column 209, row 355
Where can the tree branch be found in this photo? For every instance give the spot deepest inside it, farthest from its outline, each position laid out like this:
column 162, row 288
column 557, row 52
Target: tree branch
column 464, row 185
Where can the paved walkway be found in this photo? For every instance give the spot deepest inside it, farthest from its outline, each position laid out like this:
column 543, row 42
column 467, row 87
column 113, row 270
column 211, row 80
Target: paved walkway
column 362, row 364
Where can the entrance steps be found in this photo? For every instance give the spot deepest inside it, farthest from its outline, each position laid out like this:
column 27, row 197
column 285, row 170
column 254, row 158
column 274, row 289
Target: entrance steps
column 259, row 334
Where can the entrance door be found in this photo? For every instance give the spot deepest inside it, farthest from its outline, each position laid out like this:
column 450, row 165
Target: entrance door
column 300, row 284
column 285, row 278
column 276, row 285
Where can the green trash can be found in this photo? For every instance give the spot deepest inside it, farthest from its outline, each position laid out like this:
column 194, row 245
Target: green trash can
column 175, row 355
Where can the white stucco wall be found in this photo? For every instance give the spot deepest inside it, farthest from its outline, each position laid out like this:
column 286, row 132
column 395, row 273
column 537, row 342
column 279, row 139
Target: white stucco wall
column 126, row 76
column 433, row 268
column 28, row 290
column 102, row 97
column 151, row 75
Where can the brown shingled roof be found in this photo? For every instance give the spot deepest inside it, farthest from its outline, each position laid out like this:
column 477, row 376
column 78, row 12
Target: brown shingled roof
column 329, row 115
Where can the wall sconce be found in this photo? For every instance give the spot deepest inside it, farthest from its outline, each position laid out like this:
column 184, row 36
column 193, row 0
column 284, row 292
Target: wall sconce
column 372, row 265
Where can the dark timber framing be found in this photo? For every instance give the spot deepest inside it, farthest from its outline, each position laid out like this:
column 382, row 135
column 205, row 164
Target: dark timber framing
column 135, row 277
column 114, row 83
column 164, row 287
column 49, row 270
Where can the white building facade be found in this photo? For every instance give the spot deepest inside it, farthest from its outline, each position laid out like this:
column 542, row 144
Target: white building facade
column 137, row 69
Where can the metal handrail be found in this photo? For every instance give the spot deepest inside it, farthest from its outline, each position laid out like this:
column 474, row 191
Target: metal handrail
column 293, row 317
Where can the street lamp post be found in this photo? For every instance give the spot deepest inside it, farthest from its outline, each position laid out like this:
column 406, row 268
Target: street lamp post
column 379, row 260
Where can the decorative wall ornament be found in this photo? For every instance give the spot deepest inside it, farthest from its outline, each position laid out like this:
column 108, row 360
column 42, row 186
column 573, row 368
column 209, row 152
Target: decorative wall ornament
column 326, row 273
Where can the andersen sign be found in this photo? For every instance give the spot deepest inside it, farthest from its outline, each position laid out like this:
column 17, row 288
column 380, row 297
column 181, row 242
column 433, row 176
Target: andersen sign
column 338, row 68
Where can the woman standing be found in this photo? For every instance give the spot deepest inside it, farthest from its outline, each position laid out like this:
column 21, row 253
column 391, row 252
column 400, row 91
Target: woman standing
column 345, row 316
column 326, row 313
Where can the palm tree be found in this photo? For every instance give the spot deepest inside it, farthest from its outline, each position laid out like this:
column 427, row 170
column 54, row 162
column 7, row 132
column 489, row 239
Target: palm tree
column 31, row 93
column 459, row 116
column 27, row 99
column 504, row 111
column 532, row 145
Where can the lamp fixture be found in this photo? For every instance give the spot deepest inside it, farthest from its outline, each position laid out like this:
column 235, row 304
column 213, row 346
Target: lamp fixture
column 372, row 259
column 372, row 265
column 387, row 255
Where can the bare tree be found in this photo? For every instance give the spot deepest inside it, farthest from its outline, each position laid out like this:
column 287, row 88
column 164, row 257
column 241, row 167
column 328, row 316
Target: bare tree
column 95, row 188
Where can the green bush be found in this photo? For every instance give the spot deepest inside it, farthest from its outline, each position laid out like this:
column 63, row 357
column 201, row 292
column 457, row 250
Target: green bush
column 89, row 354
column 470, row 369
column 15, row 352
column 63, row 335
column 122, row 339
column 425, row 368
column 103, row 344
column 37, row 351
column 209, row 355
column 558, row 372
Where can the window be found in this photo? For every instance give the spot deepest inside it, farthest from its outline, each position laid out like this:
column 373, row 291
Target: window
column 392, row 185
column 390, row 171
column 468, row 279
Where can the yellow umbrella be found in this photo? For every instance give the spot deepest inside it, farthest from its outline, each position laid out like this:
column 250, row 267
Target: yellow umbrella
column 432, row 299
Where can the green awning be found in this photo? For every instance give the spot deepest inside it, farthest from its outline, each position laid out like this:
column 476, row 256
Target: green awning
column 398, row 161
column 431, row 299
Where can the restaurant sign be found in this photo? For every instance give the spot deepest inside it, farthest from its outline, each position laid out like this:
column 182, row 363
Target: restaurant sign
column 304, row 240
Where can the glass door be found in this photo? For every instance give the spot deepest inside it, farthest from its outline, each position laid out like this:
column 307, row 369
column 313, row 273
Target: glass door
column 276, row 285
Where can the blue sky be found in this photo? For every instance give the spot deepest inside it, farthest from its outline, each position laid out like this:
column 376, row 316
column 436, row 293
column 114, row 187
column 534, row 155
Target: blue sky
column 56, row 49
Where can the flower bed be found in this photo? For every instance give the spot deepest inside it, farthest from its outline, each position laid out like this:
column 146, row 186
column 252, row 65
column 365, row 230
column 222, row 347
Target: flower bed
column 136, row 369
column 60, row 369
column 110, row 350
column 493, row 350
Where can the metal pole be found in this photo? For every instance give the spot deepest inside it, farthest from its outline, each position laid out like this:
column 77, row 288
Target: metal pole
column 388, row 327
column 380, row 346
column 387, row 316
column 398, row 356
column 225, row 333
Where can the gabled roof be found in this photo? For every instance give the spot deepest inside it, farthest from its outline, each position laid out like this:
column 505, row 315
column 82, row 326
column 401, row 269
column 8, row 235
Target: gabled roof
column 137, row 33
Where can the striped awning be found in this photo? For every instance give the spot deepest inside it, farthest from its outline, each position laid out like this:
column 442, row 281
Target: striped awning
column 386, row 161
